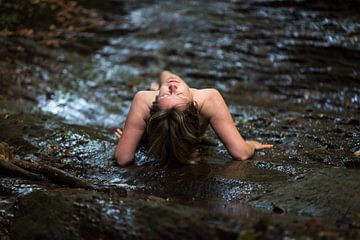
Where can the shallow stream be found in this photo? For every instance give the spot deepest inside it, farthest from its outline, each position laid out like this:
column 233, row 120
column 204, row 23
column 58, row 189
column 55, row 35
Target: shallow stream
column 290, row 73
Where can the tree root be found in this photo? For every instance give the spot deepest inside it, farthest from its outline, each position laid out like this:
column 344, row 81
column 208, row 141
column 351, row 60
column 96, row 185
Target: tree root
column 39, row 171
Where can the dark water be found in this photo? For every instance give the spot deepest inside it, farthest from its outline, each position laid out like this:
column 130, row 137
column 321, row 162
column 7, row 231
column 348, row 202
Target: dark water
column 289, row 71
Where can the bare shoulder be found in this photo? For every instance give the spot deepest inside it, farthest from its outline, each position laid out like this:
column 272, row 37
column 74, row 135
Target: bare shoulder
column 205, row 95
column 143, row 101
column 145, row 97
column 205, row 99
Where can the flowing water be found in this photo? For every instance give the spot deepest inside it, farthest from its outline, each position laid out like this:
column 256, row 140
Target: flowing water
column 288, row 70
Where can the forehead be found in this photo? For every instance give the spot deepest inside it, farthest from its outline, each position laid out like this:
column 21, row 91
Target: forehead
column 173, row 101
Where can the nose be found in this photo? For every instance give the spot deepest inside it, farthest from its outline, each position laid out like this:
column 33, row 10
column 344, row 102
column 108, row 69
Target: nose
column 172, row 87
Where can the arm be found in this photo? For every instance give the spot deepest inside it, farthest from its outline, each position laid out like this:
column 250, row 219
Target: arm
column 133, row 130
column 220, row 118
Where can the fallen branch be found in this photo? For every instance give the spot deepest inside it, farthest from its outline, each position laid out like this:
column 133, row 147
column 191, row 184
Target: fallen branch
column 39, row 171
column 61, row 177
column 18, row 171
column 56, row 175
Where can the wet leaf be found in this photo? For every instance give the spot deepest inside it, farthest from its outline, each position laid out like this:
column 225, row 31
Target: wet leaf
column 51, row 43
column 5, row 33
column 18, row 71
column 71, row 28
column 5, row 152
column 34, row 2
column 20, row 48
column 25, row 32
column 290, row 119
column 52, row 149
column 357, row 153
column 328, row 235
column 52, row 27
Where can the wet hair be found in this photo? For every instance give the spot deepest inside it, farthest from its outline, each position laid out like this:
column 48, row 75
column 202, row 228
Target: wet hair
column 174, row 134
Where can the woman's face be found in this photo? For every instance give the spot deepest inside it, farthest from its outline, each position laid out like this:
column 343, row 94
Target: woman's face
column 173, row 92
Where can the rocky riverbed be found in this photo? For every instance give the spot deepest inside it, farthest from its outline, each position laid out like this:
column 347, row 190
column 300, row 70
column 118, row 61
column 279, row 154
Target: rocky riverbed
column 290, row 73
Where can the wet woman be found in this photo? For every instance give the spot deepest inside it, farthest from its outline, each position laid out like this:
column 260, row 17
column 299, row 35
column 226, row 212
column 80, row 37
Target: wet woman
column 173, row 119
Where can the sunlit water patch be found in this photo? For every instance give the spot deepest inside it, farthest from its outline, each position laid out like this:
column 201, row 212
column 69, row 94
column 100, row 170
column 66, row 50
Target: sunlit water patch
column 76, row 109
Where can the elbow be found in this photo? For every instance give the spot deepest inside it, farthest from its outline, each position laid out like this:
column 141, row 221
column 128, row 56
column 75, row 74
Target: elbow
column 121, row 164
column 242, row 158
column 122, row 161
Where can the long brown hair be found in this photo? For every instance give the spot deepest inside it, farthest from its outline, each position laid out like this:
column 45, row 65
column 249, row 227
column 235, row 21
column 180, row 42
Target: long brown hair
column 174, row 134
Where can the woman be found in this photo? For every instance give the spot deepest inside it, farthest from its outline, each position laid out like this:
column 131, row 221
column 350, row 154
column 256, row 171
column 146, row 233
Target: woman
column 173, row 119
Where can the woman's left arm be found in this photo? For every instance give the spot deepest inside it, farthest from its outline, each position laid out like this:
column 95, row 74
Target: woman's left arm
column 220, row 119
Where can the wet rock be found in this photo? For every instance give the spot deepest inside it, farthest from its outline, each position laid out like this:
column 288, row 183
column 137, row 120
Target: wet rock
column 327, row 192
column 319, row 155
column 281, row 167
column 46, row 137
column 352, row 163
column 85, row 215
column 42, row 216
column 230, row 181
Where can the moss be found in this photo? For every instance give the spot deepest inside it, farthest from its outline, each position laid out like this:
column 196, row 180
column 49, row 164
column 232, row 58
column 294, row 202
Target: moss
column 247, row 235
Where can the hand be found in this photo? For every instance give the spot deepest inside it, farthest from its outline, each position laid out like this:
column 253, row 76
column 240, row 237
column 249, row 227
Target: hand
column 154, row 86
column 258, row 145
column 118, row 133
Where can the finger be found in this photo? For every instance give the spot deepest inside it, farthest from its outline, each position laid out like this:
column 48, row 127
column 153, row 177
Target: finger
column 154, row 86
column 262, row 146
column 266, row 146
column 117, row 135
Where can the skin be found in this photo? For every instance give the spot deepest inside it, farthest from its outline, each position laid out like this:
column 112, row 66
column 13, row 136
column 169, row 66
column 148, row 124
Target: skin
column 174, row 92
